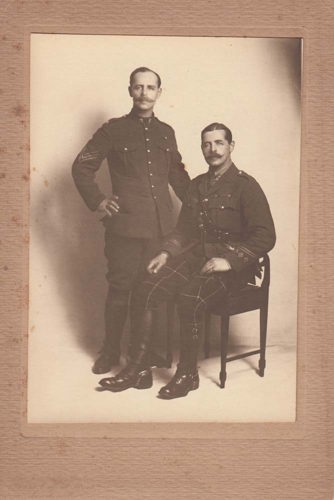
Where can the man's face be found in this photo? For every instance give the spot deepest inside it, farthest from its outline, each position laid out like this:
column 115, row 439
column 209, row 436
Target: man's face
column 144, row 91
column 216, row 149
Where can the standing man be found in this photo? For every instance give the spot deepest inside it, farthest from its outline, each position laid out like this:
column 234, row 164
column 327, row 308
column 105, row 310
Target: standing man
column 224, row 226
column 143, row 159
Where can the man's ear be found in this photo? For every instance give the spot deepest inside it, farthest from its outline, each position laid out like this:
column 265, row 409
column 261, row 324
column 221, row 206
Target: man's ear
column 232, row 146
column 130, row 91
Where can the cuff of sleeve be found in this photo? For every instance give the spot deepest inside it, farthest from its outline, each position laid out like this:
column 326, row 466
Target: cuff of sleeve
column 95, row 205
column 171, row 248
column 239, row 257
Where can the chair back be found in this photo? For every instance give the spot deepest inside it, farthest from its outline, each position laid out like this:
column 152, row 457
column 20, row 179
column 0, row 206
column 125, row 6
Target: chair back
column 265, row 264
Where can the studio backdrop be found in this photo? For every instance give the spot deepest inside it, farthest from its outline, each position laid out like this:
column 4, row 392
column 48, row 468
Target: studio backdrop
column 80, row 81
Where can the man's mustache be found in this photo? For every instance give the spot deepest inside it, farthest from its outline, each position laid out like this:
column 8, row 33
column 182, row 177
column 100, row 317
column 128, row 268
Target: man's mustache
column 144, row 99
column 211, row 157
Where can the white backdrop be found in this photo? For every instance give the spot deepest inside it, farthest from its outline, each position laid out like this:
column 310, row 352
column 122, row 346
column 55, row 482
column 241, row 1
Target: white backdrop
column 77, row 83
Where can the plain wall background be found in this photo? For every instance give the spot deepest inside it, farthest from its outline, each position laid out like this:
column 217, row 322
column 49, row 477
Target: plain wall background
column 77, row 83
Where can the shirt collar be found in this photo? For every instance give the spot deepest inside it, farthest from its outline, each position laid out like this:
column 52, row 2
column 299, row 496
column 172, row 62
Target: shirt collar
column 227, row 177
column 133, row 114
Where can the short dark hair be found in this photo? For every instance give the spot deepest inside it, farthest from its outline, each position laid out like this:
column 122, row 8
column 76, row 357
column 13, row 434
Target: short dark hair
column 218, row 126
column 143, row 69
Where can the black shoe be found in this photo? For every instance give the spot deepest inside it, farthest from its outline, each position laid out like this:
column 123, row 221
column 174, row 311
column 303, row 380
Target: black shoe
column 127, row 378
column 182, row 382
column 104, row 363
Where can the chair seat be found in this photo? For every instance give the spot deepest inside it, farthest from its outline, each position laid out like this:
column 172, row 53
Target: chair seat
column 249, row 298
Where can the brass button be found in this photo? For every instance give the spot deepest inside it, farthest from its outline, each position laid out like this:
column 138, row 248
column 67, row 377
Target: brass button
column 222, row 207
column 148, row 150
column 149, row 162
column 147, row 139
column 125, row 149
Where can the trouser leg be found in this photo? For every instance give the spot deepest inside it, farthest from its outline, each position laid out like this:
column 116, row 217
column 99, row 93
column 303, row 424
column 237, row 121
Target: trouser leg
column 124, row 258
column 116, row 309
column 149, row 249
column 115, row 315
column 147, row 297
column 199, row 293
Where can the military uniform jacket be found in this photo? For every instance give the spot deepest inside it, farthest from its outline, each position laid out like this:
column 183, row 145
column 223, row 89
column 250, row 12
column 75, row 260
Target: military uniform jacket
column 230, row 219
column 143, row 159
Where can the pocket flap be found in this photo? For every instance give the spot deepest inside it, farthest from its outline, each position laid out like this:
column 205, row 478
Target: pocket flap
column 166, row 144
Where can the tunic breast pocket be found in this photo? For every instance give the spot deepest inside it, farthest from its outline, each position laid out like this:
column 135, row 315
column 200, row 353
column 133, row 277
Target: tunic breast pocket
column 225, row 211
column 165, row 151
column 124, row 158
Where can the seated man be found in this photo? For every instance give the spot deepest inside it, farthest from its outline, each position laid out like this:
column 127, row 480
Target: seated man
column 224, row 226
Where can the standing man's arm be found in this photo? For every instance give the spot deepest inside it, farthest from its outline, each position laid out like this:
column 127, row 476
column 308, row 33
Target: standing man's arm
column 85, row 167
column 178, row 176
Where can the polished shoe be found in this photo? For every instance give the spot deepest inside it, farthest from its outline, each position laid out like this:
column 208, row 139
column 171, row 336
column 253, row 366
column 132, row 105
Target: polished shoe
column 182, row 382
column 104, row 363
column 127, row 378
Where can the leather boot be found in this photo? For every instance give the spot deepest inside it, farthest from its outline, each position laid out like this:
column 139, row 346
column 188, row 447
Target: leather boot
column 136, row 311
column 137, row 373
column 186, row 378
column 116, row 309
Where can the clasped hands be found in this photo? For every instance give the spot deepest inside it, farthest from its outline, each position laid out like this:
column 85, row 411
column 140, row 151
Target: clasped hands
column 216, row 264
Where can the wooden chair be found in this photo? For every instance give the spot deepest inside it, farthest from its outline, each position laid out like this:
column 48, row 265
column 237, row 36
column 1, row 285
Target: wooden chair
column 249, row 298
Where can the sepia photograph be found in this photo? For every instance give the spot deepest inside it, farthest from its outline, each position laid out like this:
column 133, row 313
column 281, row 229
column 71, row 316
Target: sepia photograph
column 164, row 228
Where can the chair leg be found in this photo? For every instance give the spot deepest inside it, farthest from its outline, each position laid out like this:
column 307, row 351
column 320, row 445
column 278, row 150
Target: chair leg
column 207, row 328
column 223, row 348
column 169, row 337
column 263, row 338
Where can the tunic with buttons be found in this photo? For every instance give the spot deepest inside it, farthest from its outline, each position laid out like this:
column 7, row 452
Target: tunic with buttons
column 229, row 219
column 143, row 159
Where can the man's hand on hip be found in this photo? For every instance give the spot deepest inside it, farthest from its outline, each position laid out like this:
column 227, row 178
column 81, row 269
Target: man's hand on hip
column 216, row 264
column 109, row 206
column 157, row 263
